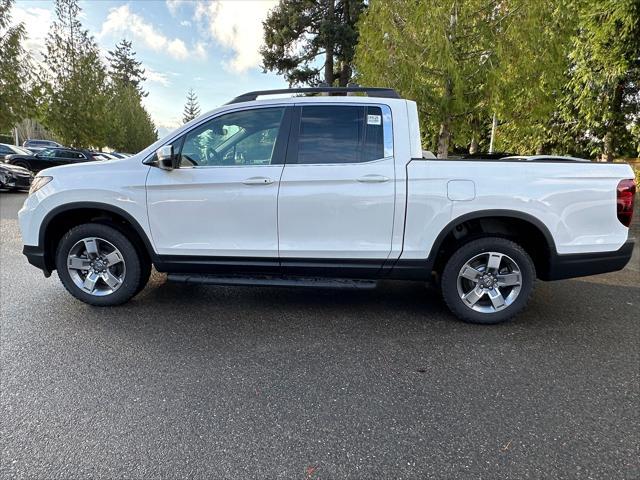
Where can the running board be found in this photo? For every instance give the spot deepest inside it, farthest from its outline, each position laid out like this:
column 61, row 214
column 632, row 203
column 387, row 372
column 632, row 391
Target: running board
column 273, row 281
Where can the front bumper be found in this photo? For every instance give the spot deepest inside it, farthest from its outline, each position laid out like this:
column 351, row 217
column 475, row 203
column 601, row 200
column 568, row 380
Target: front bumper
column 583, row 264
column 18, row 182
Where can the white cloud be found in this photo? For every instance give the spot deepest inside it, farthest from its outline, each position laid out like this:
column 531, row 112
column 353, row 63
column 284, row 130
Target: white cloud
column 174, row 5
column 157, row 77
column 37, row 23
column 123, row 20
column 237, row 25
column 185, row 23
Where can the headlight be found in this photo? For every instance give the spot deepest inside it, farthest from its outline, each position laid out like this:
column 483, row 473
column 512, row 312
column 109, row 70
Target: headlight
column 38, row 183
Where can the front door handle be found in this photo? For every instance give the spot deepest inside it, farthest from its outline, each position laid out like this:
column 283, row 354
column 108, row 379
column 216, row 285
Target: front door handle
column 258, row 181
column 373, row 179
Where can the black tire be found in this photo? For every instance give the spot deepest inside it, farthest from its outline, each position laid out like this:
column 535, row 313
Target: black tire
column 134, row 269
column 145, row 273
column 21, row 164
column 453, row 267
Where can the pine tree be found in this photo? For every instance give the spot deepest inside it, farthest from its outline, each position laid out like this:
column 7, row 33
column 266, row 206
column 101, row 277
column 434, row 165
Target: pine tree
column 297, row 32
column 124, row 68
column 604, row 80
column 15, row 100
column 129, row 127
column 438, row 53
column 74, row 81
column 464, row 61
column 191, row 108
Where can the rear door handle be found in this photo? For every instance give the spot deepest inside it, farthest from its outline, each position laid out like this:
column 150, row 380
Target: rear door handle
column 373, row 179
column 258, row 181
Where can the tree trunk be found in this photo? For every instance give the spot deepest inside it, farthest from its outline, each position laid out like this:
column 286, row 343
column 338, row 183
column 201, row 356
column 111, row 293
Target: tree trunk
column 540, row 149
column 328, row 65
column 473, row 148
column 494, row 126
column 345, row 74
column 616, row 123
column 443, row 137
column 445, row 126
column 475, row 129
column 607, row 153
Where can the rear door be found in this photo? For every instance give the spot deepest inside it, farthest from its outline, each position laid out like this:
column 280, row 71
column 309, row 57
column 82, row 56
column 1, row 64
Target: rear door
column 337, row 192
column 64, row 157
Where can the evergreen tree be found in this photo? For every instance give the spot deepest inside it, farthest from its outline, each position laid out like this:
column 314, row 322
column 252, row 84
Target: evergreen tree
column 438, row 53
column 129, row 127
column 604, row 82
column 297, row 32
column 191, row 108
column 464, row 61
column 15, row 99
column 74, row 76
column 530, row 81
column 124, row 68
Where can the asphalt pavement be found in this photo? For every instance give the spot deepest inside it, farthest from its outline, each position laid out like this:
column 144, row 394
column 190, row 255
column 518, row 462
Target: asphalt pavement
column 216, row 382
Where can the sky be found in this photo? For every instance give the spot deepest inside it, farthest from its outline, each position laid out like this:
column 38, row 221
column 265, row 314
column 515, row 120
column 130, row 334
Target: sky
column 211, row 46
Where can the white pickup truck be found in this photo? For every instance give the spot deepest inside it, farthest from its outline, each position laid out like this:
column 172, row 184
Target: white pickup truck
column 326, row 191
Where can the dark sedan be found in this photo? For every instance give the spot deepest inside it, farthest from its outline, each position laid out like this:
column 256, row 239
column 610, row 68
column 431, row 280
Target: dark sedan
column 13, row 177
column 51, row 157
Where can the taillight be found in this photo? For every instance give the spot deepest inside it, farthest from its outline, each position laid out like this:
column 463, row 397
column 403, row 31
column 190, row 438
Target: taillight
column 625, row 195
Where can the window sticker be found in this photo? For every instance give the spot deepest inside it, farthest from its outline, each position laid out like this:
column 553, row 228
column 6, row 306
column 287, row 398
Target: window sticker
column 374, row 120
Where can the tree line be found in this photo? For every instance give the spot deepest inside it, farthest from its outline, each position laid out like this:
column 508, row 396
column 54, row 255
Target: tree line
column 73, row 93
column 558, row 76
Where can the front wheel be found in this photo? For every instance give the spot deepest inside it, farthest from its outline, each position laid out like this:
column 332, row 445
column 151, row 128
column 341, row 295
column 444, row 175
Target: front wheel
column 21, row 164
column 98, row 265
column 488, row 280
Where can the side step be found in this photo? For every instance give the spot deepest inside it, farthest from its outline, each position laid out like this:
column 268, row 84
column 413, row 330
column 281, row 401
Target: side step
column 273, row 281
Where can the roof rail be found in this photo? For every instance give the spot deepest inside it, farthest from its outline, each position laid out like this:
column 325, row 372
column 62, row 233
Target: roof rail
column 370, row 91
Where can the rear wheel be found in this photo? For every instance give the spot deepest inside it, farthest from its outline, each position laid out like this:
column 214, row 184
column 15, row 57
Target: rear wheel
column 98, row 265
column 488, row 280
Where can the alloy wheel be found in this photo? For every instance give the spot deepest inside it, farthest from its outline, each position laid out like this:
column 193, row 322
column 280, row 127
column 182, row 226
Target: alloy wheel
column 489, row 282
column 96, row 266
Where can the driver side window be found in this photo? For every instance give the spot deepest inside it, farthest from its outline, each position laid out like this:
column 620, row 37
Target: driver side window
column 247, row 137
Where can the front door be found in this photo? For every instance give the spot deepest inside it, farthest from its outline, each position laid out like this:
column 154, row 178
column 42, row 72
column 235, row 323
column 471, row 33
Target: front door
column 337, row 191
column 222, row 201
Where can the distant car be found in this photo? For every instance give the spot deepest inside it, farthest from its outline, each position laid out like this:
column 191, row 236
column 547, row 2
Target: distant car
column 103, row 155
column 52, row 157
column 544, row 158
column 39, row 145
column 6, row 149
column 121, row 154
column 13, row 177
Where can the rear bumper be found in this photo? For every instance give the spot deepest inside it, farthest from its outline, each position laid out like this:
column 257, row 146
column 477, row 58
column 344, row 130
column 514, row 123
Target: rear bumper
column 35, row 256
column 583, row 264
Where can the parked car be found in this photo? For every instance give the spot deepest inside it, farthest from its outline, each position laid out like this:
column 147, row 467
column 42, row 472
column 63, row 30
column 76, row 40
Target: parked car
column 7, row 149
column 121, row 154
column 51, row 157
column 326, row 191
column 38, row 145
column 14, row 178
column 103, row 155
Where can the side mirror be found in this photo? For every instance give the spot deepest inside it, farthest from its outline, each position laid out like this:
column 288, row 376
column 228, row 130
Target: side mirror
column 166, row 158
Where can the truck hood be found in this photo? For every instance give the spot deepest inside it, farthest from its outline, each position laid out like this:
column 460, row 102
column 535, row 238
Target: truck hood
column 80, row 168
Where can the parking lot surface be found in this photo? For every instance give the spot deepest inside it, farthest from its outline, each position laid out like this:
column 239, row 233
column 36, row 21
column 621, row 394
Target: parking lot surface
column 216, row 382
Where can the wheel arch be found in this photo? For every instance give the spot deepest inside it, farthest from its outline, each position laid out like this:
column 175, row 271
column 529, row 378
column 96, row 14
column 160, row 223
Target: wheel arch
column 530, row 232
column 61, row 219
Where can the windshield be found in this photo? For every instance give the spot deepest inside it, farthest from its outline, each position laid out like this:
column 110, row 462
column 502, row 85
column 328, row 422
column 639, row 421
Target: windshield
column 20, row 150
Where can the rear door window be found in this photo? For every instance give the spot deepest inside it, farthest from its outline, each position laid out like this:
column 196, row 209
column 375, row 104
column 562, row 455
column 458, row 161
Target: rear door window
column 340, row 134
